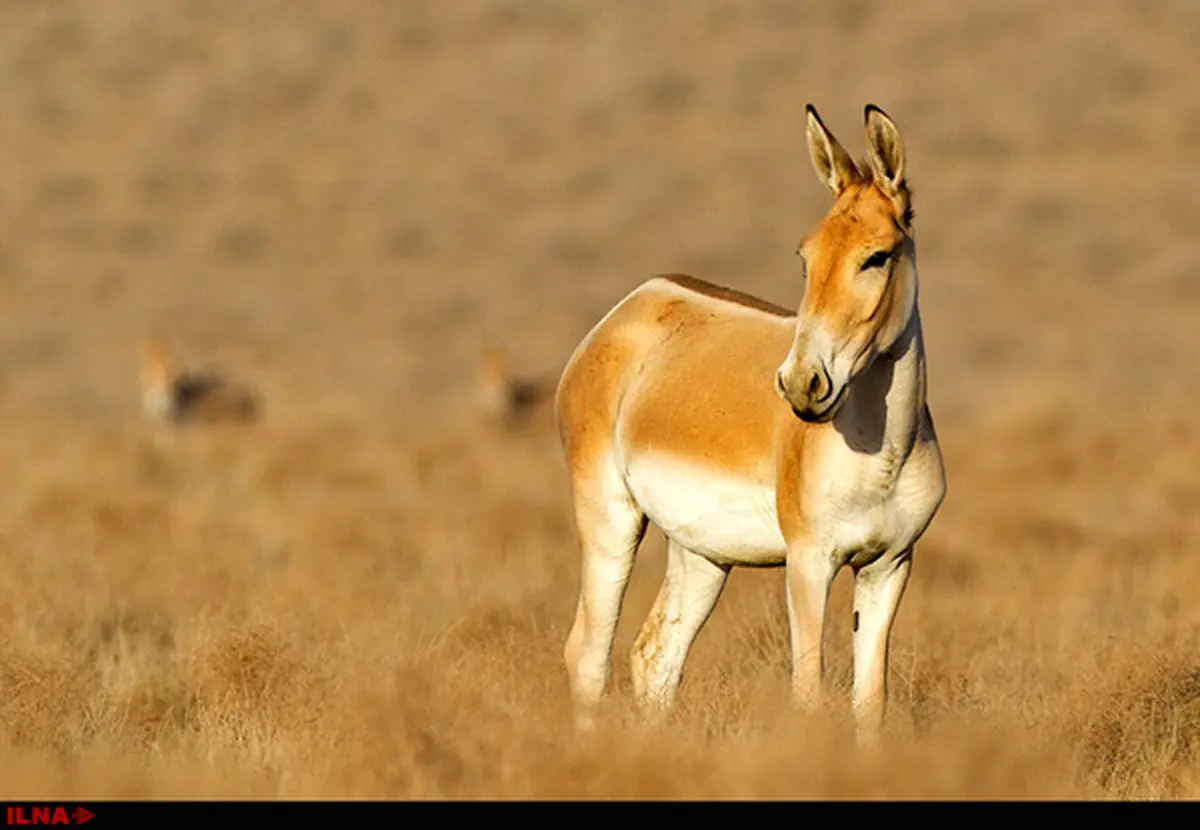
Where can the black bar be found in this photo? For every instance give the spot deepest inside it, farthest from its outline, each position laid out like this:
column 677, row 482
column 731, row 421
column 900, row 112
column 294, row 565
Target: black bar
column 97, row 814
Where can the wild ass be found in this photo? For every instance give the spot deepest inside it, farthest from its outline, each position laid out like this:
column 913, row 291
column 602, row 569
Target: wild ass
column 754, row 436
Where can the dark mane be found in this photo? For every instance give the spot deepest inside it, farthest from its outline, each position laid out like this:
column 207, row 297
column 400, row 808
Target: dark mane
column 731, row 295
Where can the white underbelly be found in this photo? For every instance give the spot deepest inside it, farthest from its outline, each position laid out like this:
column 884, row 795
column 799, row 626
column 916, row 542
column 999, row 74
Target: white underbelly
column 725, row 518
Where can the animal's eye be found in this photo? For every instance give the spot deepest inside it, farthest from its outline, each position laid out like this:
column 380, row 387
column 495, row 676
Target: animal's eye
column 877, row 260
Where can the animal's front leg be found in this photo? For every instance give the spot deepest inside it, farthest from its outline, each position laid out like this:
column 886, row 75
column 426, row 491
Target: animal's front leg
column 878, row 588
column 810, row 572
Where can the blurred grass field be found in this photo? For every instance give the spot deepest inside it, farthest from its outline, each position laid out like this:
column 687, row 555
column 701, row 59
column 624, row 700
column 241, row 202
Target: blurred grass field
column 366, row 593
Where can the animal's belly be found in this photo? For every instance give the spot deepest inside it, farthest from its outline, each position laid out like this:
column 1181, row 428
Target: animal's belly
column 728, row 519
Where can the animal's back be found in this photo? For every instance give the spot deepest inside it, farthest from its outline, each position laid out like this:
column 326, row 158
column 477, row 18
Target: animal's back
column 207, row 397
column 676, row 384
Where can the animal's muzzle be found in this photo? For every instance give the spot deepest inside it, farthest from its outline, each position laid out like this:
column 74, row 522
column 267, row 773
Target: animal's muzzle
column 809, row 392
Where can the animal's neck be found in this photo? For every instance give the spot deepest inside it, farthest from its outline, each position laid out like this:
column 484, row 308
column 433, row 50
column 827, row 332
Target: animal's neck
column 883, row 411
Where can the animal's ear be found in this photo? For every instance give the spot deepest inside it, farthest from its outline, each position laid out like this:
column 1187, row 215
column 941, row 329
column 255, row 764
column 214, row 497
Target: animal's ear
column 833, row 164
column 885, row 150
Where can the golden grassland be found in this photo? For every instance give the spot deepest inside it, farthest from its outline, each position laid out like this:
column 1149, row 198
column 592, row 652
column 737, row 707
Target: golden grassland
column 366, row 593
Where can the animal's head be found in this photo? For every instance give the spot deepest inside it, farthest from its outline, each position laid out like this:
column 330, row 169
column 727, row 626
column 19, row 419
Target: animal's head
column 493, row 379
column 157, row 376
column 860, row 269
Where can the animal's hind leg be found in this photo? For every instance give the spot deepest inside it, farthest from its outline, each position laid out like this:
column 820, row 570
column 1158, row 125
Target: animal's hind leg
column 687, row 597
column 611, row 527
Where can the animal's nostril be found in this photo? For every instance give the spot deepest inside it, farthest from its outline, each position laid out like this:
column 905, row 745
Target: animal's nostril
column 819, row 385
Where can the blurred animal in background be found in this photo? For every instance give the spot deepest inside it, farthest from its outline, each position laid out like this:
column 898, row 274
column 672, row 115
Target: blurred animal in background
column 171, row 395
column 509, row 399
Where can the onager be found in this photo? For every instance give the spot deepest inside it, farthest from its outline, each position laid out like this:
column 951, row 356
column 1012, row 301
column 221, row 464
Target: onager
column 755, row 436
column 173, row 396
column 509, row 399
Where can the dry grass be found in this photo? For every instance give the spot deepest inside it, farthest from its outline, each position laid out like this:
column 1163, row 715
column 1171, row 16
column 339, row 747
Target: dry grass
column 366, row 593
